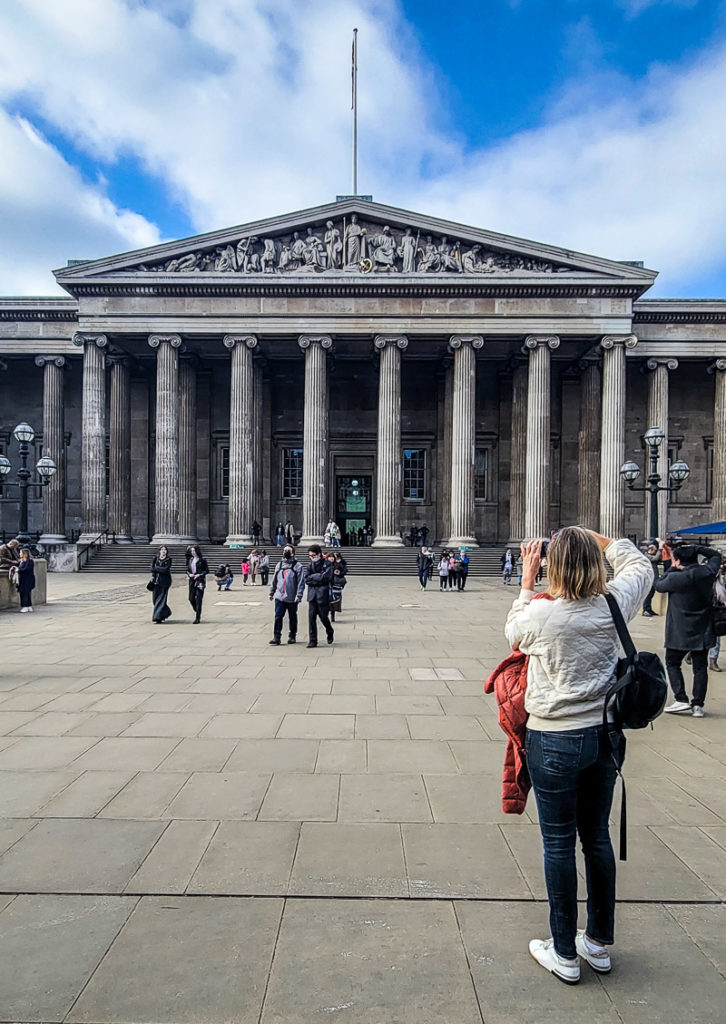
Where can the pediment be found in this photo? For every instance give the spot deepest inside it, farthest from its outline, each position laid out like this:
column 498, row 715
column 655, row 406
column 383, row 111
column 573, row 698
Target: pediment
column 353, row 239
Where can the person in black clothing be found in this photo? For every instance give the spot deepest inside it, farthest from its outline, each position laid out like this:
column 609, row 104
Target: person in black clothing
column 197, row 570
column 341, row 564
column 655, row 559
column 424, row 564
column 424, row 534
column 256, row 532
column 318, row 574
column 286, row 590
column 26, row 580
column 689, row 622
column 161, row 581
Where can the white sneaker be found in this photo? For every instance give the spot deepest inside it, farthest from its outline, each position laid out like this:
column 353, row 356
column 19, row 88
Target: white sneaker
column 22, row 610
column 698, row 712
column 597, row 956
column 543, row 951
column 677, row 707
column 31, row 609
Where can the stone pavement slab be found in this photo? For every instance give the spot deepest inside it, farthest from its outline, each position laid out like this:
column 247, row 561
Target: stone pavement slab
column 247, row 858
column 340, row 859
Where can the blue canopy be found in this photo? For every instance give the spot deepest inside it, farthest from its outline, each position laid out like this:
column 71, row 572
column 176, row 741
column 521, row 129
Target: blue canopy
column 708, row 528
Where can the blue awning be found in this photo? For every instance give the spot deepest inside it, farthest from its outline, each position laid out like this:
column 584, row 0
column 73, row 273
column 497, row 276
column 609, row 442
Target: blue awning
column 708, row 528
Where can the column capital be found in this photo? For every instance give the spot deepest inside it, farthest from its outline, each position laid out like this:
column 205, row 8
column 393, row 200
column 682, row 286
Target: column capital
column 611, row 340
column 59, row 361
column 457, row 340
column 230, row 340
column 533, row 341
column 100, row 340
column 718, row 366
column 399, row 340
column 118, row 359
column 306, row 340
column 173, row 339
column 670, row 364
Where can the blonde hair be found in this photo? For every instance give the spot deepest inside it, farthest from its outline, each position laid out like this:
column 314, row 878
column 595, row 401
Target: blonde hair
column 575, row 565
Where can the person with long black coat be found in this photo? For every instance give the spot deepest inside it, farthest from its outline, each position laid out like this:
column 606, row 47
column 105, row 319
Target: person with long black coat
column 161, row 581
column 197, row 570
column 689, row 622
column 26, row 580
column 318, row 575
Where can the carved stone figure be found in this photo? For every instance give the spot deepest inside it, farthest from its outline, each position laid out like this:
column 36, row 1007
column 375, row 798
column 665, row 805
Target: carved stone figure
column 407, row 251
column 383, row 250
column 449, row 258
column 285, row 258
column 470, row 262
column 333, row 246
column 225, row 260
column 430, row 257
column 314, row 253
column 297, row 251
column 268, row 257
column 354, row 242
column 248, row 259
column 183, row 263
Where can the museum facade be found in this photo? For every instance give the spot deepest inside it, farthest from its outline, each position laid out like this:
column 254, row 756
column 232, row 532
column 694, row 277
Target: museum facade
column 359, row 362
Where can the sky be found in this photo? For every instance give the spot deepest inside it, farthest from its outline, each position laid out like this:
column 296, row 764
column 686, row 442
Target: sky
column 597, row 125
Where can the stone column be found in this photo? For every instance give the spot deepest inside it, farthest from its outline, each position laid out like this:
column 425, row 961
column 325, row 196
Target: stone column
column 119, row 477
column 463, row 438
column 166, row 526
column 537, row 486
column 588, row 437
column 657, row 370
column 258, row 510
column 518, row 453
column 718, row 508
column 388, row 455
column 188, row 530
column 93, row 431
column 315, row 437
column 612, row 510
column 241, row 438
column 54, row 447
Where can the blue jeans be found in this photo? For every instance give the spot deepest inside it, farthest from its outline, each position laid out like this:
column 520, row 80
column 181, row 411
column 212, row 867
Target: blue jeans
column 573, row 777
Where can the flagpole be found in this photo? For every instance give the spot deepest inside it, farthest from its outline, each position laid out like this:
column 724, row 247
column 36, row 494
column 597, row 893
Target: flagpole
column 355, row 111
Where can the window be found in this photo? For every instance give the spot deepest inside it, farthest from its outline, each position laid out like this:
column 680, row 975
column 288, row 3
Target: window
column 414, row 474
column 292, row 472
column 224, row 471
column 481, row 474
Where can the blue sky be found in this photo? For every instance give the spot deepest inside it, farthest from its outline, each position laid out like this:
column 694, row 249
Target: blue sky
column 592, row 124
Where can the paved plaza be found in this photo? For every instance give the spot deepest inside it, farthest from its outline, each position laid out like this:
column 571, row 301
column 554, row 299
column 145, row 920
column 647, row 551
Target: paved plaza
column 198, row 827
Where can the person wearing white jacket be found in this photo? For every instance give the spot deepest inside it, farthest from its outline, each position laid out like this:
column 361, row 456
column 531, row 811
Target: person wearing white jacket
column 572, row 644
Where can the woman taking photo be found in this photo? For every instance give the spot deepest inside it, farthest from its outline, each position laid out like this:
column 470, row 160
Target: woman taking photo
column 161, row 581
column 197, row 570
column 572, row 646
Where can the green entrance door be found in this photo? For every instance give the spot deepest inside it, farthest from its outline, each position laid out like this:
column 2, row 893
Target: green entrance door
column 353, row 506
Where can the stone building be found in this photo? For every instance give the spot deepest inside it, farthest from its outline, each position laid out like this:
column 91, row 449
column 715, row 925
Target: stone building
column 363, row 362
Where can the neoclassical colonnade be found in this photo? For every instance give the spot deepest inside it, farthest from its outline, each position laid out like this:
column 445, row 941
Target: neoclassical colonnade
column 601, row 439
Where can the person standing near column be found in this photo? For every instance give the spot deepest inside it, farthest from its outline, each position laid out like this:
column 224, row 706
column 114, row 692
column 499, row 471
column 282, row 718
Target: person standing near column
column 318, row 574
column 197, row 569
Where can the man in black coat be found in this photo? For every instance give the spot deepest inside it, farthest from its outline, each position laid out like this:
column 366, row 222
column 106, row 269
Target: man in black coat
column 318, row 574
column 689, row 622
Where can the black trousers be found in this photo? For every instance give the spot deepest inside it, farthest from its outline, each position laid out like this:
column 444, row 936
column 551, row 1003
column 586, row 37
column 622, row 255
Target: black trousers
column 318, row 609
column 196, row 597
column 461, row 580
column 699, row 659
column 25, row 592
column 282, row 607
column 647, row 607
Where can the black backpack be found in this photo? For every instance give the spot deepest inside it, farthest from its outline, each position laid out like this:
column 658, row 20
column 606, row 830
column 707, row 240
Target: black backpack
column 636, row 698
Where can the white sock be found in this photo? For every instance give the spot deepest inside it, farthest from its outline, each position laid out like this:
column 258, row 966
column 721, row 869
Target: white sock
column 593, row 947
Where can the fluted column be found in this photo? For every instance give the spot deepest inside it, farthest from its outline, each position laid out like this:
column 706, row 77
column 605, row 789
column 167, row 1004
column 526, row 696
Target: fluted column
column 241, row 439
column 463, row 438
column 537, row 487
column 658, row 417
column 315, row 437
column 612, row 508
column 258, row 511
column 119, row 476
column 54, row 446
column 518, row 452
column 588, row 490
column 388, row 456
column 718, row 509
column 166, row 526
column 93, row 433
column 187, row 450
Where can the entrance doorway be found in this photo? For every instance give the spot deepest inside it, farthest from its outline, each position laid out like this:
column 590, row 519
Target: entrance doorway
column 353, row 508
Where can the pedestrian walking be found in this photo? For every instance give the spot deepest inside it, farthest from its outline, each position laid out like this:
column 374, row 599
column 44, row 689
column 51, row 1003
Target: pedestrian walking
column 318, row 574
column 223, row 577
column 290, row 533
column 245, row 567
column 424, row 562
column 689, row 622
column 337, row 585
column 507, row 566
column 197, row 569
column 572, row 645
column 424, row 534
column 264, row 568
column 160, row 584
column 280, row 535
column 443, row 571
column 463, row 571
column 26, row 580
column 654, row 557
column 335, row 533
column 286, row 589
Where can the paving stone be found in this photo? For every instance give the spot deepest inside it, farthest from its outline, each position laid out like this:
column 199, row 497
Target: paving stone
column 273, row 755
column 409, row 756
column 198, row 755
column 701, row 853
column 147, row 795
column 342, row 756
column 179, row 724
column 77, row 855
column 466, row 799
column 39, row 753
column 166, row 703
column 49, row 947
column 653, row 872
column 391, row 797
column 462, row 860
column 252, row 858
column 319, row 727
column 371, row 961
column 122, row 753
column 677, row 804
column 220, row 796
column 22, row 793
column 342, row 704
column 525, row 842
column 408, row 706
column 174, row 859
column 183, row 961
column 710, row 793
column 85, row 797
column 372, row 687
column 104, row 724
column 478, row 756
column 445, row 727
column 12, row 829
column 706, row 926
column 282, row 703
column 342, row 859
column 243, row 726
column 301, row 798
column 381, row 727
column 51, row 723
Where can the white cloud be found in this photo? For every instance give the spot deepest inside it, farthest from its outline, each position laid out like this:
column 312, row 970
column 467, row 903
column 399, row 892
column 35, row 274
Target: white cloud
column 242, row 110
column 635, row 7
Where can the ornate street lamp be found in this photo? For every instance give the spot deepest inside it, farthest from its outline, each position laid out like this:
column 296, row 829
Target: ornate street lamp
column 45, row 468
column 678, row 472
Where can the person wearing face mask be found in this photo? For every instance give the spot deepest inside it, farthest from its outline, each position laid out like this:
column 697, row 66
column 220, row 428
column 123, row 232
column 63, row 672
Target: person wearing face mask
column 318, row 577
column 286, row 590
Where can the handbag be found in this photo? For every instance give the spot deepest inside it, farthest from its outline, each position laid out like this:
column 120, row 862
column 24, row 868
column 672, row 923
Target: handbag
column 719, row 607
column 636, row 698
column 150, row 585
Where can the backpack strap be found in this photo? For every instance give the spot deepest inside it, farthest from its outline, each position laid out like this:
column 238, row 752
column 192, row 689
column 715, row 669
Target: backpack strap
column 622, row 629
column 619, row 684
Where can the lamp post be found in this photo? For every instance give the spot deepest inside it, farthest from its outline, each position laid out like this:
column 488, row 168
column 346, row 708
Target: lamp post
column 678, row 472
column 45, row 468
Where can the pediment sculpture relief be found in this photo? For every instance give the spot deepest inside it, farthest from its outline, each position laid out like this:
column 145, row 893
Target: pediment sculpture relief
column 350, row 246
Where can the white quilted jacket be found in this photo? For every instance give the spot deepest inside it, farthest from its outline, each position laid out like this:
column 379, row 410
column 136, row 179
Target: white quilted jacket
column 573, row 645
